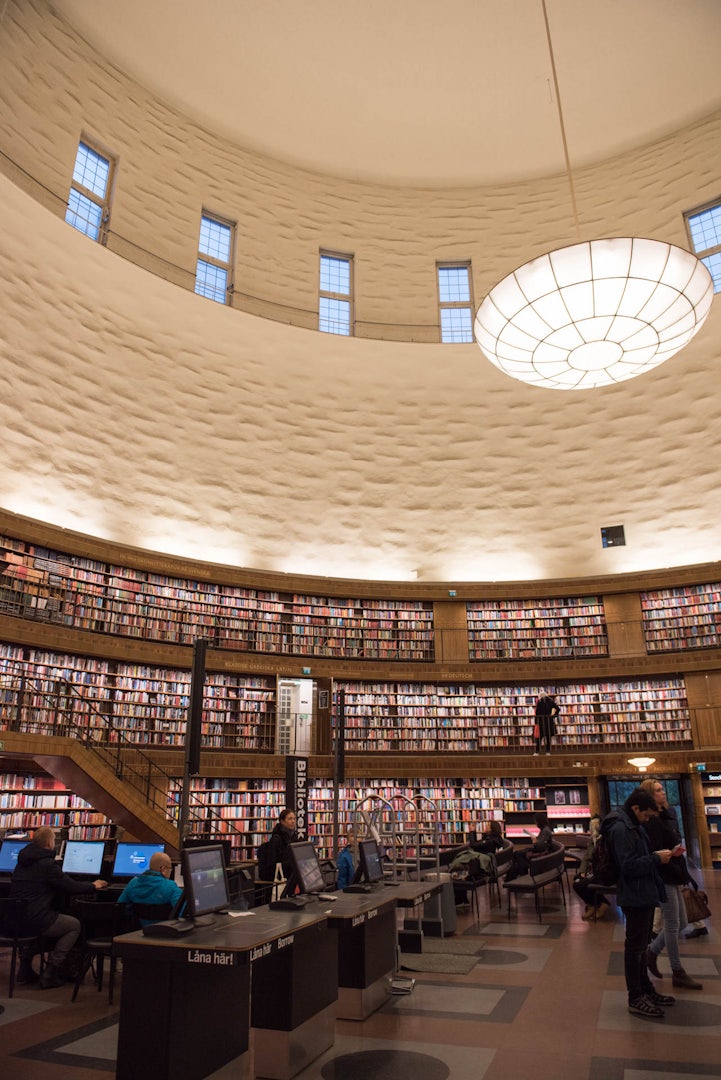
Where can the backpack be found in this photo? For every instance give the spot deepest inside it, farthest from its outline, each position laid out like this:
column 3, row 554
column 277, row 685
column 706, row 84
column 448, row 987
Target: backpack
column 604, row 870
column 266, row 861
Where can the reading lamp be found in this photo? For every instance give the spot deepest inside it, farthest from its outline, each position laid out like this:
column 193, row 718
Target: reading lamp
column 594, row 313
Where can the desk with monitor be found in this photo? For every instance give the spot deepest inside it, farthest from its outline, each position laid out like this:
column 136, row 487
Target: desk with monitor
column 279, row 972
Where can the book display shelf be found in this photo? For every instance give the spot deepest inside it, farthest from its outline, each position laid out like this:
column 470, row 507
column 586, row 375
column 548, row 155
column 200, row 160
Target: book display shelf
column 537, row 629
column 711, row 786
column 405, row 717
column 28, row 800
column 108, row 599
column 683, row 618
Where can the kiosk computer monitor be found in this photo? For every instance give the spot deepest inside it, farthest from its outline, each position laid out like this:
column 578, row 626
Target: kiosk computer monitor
column 84, row 857
column 207, row 841
column 306, row 868
column 370, row 861
column 204, row 882
column 9, row 854
column 134, row 859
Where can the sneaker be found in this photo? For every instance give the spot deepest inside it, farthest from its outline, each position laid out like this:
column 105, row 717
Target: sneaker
column 661, row 999
column 699, row 931
column 643, row 1007
column 535, row 753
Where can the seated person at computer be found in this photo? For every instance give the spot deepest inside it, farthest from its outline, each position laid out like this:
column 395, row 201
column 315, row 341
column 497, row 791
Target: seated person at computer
column 345, row 863
column 153, row 886
column 38, row 879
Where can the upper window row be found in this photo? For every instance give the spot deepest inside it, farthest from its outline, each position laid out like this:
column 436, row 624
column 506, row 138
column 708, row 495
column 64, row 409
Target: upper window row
column 88, row 210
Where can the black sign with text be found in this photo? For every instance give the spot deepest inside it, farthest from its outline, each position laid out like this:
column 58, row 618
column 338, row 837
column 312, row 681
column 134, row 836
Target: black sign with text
column 296, row 792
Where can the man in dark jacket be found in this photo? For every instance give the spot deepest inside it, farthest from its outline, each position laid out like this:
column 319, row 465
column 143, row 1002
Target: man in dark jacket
column 639, row 890
column 38, row 879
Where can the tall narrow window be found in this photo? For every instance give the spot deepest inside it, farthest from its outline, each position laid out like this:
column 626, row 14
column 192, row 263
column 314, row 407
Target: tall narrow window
column 704, row 228
column 336, row 294
column 215, row 250
column 88, row 208
column 455, row 302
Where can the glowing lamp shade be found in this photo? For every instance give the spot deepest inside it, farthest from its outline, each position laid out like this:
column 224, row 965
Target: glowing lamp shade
column 595, row 313
column 641, row 763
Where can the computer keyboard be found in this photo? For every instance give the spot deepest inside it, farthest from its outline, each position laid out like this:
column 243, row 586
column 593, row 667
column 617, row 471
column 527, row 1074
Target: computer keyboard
column 289, row 903
column 169, row 928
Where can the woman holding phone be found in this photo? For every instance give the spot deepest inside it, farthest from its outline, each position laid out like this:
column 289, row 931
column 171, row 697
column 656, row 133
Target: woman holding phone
column 663, row 832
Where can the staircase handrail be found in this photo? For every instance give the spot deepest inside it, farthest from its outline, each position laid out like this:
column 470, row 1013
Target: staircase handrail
column 116, row 753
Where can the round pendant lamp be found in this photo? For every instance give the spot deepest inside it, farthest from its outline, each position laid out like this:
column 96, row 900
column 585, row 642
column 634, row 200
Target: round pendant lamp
column 594, row 313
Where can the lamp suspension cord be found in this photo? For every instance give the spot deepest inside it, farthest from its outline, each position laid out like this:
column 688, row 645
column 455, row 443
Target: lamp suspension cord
column 574, row 207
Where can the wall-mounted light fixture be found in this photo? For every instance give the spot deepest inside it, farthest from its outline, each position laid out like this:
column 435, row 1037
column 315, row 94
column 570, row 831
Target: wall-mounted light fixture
column 641, row 763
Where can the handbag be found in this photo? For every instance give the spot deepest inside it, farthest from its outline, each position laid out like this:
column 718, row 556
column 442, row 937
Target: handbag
column 696, row 903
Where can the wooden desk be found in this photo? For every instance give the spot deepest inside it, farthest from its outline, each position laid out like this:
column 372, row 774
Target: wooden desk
column 186, row 1002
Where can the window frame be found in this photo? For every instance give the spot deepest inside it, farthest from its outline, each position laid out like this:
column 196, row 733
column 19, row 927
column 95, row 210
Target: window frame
column 711, row 204
column 349, row 298
column 211, row 260
column 444, row 305
column 104, row 203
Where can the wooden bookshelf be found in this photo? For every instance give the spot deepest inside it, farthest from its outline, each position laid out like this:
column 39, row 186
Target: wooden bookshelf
column 107, row 598
column 469, row 718
column 546, row 629
column 688, row 617
column 29, row 800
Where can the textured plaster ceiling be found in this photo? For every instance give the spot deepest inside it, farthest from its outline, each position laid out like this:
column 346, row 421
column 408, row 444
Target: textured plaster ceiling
column 135, row 411
column 423, row 92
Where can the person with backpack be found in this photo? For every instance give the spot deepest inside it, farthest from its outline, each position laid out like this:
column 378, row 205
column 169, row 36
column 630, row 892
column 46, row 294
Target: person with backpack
column 663, row 832
column 639, row 889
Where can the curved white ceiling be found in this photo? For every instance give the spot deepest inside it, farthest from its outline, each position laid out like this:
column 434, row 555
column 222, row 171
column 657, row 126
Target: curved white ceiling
column 420, row 92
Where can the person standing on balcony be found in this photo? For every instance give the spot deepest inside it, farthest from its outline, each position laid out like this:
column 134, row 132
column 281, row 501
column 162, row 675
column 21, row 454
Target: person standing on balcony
column 545, row 726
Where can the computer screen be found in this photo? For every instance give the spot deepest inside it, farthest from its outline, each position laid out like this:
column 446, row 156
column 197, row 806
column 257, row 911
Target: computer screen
column 84, row 857
column 204, row 881
column 134, row 859
column 306, row 867
column 211, row 841
column 9, row 854
column 370, row 860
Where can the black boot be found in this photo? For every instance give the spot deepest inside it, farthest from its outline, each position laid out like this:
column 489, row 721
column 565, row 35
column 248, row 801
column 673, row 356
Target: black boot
column 51, row 978
column 26, row 975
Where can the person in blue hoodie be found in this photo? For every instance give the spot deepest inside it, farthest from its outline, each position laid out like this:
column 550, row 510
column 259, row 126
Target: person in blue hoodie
column 345, row 863
column 153, row 886
column 639, row 889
